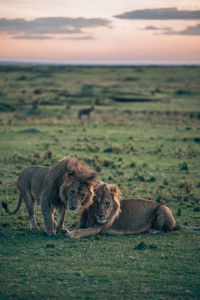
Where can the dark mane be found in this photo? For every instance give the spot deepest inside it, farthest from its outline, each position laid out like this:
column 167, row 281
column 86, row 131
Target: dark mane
column 69, row 167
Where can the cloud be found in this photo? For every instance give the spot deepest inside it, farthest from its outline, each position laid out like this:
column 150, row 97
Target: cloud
column 171, row 13
column 39, row 28
column 32, row 37
column 46, row 37
column 78, row 38
column 191, row 30
column 156, row 28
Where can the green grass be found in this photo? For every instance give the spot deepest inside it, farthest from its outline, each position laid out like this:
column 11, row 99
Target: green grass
column 149, row 149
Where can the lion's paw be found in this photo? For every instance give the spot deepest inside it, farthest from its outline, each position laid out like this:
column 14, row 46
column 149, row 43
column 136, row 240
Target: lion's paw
column 69, row 235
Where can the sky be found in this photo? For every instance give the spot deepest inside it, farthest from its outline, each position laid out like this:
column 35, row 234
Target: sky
column 100, row 31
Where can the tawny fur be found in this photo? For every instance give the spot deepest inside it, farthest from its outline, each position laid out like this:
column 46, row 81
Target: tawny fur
column 68, row 184
column 110, row 214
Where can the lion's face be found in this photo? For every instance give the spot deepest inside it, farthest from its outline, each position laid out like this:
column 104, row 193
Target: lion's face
column 79, row 195
column 106, row 202
column 76, row 194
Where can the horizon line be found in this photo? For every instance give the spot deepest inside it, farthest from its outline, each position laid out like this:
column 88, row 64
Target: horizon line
column 98, row 63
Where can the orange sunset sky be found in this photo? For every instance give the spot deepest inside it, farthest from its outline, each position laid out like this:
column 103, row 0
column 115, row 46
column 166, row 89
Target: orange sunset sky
column 105, row 31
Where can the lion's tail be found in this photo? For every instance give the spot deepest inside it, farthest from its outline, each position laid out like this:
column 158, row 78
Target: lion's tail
column 5, row 205
column 189, row 228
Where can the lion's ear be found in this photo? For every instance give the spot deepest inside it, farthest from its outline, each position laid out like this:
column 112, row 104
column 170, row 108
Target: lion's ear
column 91, row 177
column 71, row 173
column 115, row 190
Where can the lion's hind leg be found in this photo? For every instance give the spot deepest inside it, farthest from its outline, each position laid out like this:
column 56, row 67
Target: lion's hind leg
column 29, row 201
column 164, row 220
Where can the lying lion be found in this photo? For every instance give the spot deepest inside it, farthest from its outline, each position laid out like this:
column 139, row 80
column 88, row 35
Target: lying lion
column 110, row 214
column 68, row 184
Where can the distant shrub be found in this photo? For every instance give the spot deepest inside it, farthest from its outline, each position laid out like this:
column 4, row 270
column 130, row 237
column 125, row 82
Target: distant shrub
column 16, row 156
column 161, row 196
column 192, row 115
column 119, row 172
column 178, row 226
column 36, row 155
column 30, row 131
column 197, row 206
column 4, row 107
column 131, row 148
column 179, row 212
column 48, row 154
column 144, row 176
column 184, row 166
column 92, row 148
column 186, row 185
column 139, row 176
column 157, row 90
column 21, row 78
column 46, row 146
column 182, row 92
column 165, row 181
column 197, row 139
column 193, row 151
column 50, row 245
column 144, row 165
column 151, row 179
column 108, row 163
column 38, row 91
column 132, row 165
column 143, row 245
column 94, row 162
column 112, row 149
column 131, row 79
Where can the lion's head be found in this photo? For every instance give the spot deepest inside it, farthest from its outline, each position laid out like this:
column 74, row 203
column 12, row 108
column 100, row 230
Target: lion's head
column 106, row 205
column 76, row 182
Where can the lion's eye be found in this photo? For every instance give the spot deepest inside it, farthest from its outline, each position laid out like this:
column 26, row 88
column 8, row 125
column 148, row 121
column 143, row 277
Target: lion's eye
column 95, row 202
column 107, row 204
column 83, row 196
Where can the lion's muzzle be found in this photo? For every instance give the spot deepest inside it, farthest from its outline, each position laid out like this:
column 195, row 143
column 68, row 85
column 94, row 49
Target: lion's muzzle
column 101, row 221
column 72, row 207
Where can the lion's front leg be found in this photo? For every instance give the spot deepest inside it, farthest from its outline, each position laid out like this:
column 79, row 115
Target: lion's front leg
column 52, row 214
column 61, row 218
column 47, row 215
column 80, row 233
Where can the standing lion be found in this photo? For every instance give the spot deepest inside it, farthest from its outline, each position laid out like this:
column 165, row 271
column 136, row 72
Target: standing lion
column 68, row 184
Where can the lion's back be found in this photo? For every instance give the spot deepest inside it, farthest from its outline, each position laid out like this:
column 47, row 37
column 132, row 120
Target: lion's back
column 135, row 213
column 31, row 179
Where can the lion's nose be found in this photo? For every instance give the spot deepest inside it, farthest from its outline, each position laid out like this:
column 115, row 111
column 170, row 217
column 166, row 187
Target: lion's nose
column 72, row 207
column 100, row 215
column 72, row 193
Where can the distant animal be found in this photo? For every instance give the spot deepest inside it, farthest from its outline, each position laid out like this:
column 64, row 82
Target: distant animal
column 108, row 213
column 86, row 111
column 68, row 184
column 35, row 103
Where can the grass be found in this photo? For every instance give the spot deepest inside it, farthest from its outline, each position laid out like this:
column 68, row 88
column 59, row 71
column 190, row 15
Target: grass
column 149, row 149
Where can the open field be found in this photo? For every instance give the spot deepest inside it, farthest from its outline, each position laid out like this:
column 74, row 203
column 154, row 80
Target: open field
column 144, row 136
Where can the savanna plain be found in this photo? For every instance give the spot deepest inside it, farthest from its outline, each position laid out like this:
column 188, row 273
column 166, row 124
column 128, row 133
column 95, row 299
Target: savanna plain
column 144, row 136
